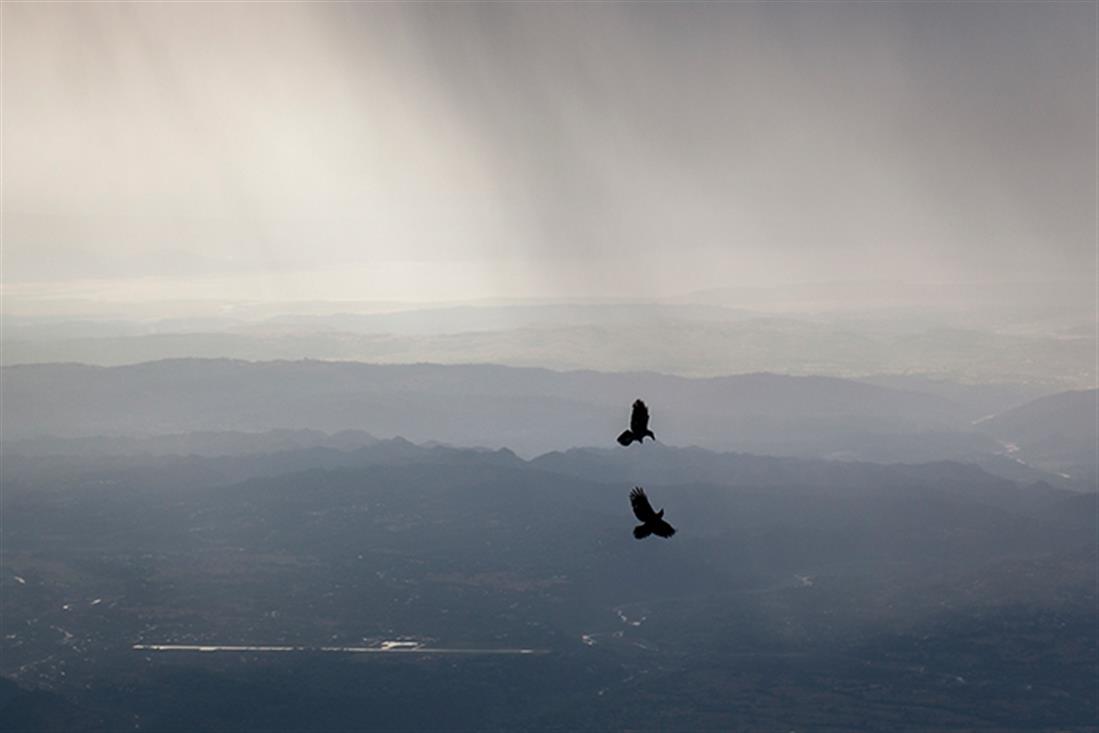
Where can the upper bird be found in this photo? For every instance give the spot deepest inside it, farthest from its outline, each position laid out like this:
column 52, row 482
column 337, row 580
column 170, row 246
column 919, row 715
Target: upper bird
column 651, row 522
column 639, row 425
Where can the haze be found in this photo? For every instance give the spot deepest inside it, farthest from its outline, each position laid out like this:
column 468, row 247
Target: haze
column 320, row 321
column 288, row 152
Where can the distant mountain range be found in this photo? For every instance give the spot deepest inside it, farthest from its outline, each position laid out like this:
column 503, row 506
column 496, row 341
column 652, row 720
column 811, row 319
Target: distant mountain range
column 209, row 406
column 1050, row 350
column 280, row 452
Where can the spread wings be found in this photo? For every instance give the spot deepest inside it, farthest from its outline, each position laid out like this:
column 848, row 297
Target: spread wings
column 642, row 509
column 639, row 418
column 652, row 523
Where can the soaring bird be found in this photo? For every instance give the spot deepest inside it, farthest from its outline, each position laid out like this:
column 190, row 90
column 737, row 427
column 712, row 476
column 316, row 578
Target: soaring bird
column 639, row 425
column 651, row 522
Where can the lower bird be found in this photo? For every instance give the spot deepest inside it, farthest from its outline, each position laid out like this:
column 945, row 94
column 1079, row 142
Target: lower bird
column 651, row 522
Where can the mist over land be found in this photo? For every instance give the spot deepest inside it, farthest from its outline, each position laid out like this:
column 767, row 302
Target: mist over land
column 319, row 321
column 1047, row 345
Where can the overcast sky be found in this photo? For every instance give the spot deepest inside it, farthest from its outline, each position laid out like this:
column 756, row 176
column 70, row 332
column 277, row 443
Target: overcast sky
column 430, row 152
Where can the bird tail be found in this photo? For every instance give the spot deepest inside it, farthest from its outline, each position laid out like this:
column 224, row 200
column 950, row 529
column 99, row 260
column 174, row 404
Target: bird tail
column 642, row 531
column 647, row 434
column 626, row 437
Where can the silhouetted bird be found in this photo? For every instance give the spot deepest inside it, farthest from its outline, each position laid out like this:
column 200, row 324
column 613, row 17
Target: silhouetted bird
column 652, row 522
column 639, row 425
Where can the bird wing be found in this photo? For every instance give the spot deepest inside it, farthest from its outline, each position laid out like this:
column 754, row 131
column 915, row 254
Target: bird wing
column 625, row 438
column 639, row 418
column 642, row 509
column 662, row 529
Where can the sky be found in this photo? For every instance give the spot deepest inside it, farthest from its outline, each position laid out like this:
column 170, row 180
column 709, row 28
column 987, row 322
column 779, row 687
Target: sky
column 433, row 152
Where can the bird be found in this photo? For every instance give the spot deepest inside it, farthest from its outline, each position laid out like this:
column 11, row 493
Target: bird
column 652, row 522
column 639, row 425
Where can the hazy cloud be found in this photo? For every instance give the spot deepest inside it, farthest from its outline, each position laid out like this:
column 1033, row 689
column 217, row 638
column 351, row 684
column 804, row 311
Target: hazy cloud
column 546, row 149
